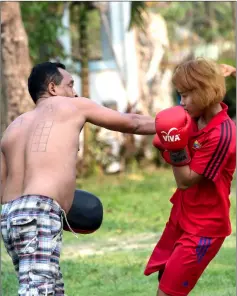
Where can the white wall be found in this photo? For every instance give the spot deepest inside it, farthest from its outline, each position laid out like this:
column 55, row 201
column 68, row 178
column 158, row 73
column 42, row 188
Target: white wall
column 124, row 46
column 104, row 86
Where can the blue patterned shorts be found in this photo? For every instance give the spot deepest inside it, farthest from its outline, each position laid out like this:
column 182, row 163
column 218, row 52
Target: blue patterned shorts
column 31, row 229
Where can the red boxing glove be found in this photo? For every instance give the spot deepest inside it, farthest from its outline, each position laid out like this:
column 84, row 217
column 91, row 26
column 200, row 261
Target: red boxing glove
column 175, row 158
column 173, row 126
column 157, row 143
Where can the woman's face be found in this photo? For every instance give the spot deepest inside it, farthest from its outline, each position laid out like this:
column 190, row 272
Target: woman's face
column 188, row 104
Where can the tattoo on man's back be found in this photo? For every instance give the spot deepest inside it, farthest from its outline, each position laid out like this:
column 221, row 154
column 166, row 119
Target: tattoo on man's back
column 41, row 136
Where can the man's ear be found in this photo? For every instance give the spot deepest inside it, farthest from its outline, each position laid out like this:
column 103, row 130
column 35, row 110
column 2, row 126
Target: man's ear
column 52, row 89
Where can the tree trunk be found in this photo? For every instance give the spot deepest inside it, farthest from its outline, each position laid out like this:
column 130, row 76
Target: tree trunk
column 83, row 25
column 84, row 50
column 210, row 15
column 84, row 53
column 16, row 64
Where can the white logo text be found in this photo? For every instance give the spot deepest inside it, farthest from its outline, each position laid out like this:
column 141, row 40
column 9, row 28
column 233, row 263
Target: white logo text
column 169, row 138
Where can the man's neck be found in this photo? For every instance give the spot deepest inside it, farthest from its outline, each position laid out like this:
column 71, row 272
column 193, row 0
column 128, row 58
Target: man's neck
column 41, row 100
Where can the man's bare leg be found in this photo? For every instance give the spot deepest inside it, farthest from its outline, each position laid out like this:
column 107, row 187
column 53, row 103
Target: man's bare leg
column 160, row 293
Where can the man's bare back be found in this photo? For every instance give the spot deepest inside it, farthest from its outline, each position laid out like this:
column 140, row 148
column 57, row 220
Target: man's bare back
column 40, row 146
column 41, row 150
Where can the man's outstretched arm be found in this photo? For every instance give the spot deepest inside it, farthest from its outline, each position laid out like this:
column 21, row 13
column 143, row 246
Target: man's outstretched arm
column 113, row 120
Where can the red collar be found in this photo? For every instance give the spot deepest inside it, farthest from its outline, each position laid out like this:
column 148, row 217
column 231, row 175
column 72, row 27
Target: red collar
column 216, row 120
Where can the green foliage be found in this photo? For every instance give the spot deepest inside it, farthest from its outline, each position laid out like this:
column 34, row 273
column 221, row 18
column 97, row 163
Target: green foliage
column 224, row 15
column 43, row 24
column 209, row 20
column 138, row 9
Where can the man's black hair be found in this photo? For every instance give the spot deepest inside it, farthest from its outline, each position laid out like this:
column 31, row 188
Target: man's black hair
column 40, row 77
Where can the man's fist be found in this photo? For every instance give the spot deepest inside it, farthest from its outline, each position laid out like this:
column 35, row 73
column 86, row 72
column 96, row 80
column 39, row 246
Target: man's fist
column 173, row 126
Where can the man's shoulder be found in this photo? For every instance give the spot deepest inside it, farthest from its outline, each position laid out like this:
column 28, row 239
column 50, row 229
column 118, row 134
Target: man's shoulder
column 76, row 101
column 17, row 122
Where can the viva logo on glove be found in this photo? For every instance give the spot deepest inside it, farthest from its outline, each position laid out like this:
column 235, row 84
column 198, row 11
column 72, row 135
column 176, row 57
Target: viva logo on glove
column 170, row 138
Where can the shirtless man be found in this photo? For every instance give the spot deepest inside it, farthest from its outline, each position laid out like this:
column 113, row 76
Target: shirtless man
column 38, row 173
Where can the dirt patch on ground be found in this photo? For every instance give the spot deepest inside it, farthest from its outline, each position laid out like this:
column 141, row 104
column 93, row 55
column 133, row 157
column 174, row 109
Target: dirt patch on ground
column 140, row 241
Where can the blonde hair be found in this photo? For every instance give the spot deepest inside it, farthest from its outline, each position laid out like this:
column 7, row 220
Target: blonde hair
column 203, row 78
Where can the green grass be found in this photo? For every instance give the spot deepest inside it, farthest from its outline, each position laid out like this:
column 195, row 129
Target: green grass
column 136, row 206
